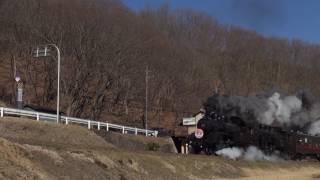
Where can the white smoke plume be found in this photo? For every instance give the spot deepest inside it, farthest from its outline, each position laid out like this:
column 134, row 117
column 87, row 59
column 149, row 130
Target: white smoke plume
column 289, row 111
column 252, row 153
column 255, row 154
column 300, row 112
column 280, row 110
column 231, row 153
column 314, row 128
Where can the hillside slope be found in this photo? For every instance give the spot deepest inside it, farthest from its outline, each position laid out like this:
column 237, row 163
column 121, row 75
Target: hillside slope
column 32, row 150
column 103, row 65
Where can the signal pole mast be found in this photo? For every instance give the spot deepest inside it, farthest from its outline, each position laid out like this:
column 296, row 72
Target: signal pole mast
column 44, row 52
column 146, row 98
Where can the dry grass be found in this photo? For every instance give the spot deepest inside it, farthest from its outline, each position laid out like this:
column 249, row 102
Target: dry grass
column 14, row 163
column 138, row 143
column 33, row 150
column 2, row 104
column 25, row 131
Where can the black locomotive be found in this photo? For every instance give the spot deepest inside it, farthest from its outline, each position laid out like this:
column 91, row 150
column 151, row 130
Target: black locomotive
column 231, row 131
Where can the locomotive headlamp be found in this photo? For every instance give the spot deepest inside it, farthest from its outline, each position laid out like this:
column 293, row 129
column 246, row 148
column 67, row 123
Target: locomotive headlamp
column 199, row 133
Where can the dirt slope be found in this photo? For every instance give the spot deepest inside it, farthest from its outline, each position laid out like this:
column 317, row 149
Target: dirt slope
column 26, row 131
column 138, row 143
column 33, row 150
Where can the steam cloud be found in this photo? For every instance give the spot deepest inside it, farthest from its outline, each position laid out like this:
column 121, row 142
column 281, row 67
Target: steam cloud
column 296, row 112
column 252, row 153
column 314, row 128
column 280, row 110
column 231, row 153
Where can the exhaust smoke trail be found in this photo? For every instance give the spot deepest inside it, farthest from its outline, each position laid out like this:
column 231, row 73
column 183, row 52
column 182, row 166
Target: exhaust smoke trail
column 252, row 153
column 295, row 112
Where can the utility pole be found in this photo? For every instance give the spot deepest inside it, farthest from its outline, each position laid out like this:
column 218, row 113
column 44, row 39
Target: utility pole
column 146, row 116
column 14, row 67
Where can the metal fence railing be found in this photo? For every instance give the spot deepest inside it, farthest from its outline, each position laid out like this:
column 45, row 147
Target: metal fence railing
column 39, row 116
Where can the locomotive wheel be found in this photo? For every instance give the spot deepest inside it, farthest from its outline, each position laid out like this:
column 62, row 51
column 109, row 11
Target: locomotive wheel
column 194, row 149
column 297, row 157
column 209, row 151
column 222, row 145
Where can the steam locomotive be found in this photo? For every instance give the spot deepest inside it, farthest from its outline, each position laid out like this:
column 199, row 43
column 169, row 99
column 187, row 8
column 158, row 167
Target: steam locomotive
column 219, row 132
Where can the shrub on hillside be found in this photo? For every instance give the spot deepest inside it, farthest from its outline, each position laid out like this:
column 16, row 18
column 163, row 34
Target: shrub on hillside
column 153, row 146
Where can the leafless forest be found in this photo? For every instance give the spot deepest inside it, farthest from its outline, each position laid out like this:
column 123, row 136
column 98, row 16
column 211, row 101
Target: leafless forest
column 106, row 48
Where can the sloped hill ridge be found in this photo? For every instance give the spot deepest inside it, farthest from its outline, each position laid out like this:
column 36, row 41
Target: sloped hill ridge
column 138, row 143
column 13, row 163
column 37, row 150
column 26, row 131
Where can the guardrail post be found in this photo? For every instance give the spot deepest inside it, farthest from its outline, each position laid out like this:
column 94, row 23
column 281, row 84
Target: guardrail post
column 155, row 133
column 67, row 121
column 89, row 124
column 99, row 126
column 38, row 118
column 2, row 112
column 122, row 129
column 136, row 131
column 107, row 126
column 146, row 132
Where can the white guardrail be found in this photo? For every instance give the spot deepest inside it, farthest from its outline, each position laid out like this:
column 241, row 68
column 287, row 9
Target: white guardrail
column 39, row 116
